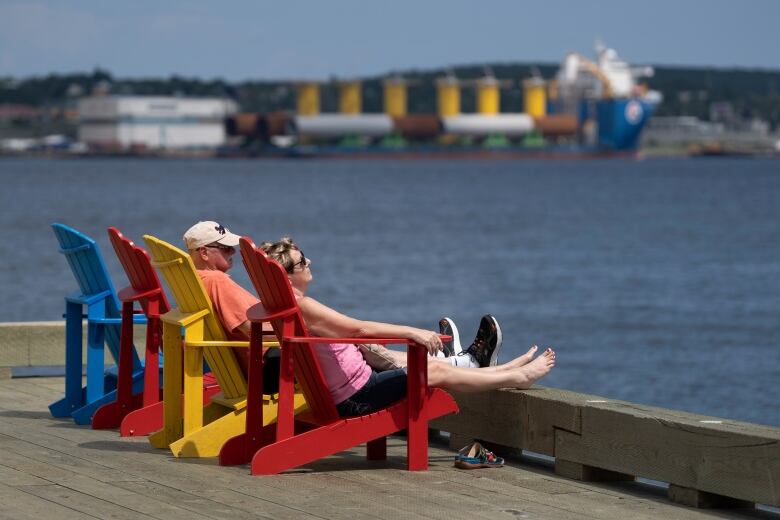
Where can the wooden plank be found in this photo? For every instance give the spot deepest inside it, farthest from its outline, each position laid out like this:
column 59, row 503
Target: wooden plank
column 577, row 471
column 702, row 499
column 326, row 495
column 142, row 500
column 550, row 409
column 730, row 459
column 55, row 464
column 425, row 494
column 31, row 388
column 259, row 499
column 523, row 420
column 101, row 481
column 85, row 504
column 497, row 417
column 20, row 505
column 547, row 496
column 14, row 477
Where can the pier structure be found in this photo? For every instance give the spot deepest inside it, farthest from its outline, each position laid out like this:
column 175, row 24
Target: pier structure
column 570, row 455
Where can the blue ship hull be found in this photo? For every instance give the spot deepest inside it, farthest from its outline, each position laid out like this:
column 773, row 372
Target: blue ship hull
column 620, row 123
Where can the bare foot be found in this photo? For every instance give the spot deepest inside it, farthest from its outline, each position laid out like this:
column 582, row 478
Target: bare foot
column 530, row 373
column 520, row 360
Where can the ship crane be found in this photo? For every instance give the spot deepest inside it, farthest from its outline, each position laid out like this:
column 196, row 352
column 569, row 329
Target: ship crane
column 580, row 77
column 574, row 62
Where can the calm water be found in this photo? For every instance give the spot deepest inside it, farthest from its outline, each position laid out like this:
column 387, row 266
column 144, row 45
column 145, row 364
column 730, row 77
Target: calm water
column 657, row 282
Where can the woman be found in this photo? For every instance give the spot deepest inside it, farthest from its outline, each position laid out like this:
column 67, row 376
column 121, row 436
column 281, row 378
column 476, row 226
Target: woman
column 358, row 390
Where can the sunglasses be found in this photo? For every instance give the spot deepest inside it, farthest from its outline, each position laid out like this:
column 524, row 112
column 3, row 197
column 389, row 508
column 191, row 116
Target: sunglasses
column 222, row 247
column 303, row 262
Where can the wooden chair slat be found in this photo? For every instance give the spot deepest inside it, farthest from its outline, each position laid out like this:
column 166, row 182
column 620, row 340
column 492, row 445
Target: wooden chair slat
column 285, row 449
column 190, row 296
column 196, row 438
column 138, row 414
column 97, row 291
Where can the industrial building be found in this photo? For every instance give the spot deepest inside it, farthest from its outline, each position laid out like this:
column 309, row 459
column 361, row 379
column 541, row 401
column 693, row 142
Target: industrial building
column 591, row 107
column 141, row 122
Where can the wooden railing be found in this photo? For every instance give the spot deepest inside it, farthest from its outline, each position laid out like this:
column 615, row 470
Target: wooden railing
column 34, row 343
column 708, row 462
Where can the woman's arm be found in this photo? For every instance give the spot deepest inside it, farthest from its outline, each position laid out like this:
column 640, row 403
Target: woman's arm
column 324, row 321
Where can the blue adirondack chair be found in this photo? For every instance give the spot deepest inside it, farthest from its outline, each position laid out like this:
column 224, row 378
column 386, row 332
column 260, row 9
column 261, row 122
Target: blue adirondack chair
column 103, row 320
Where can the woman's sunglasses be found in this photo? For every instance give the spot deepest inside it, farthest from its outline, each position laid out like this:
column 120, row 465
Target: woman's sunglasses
column 303, row 262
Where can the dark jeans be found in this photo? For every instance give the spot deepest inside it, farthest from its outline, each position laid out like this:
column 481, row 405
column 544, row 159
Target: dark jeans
column 381, row 389
column 271, row 363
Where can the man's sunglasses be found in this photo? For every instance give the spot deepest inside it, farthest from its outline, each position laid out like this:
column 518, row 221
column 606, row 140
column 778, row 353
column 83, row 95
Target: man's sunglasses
column 221, row 247
column 302, row 262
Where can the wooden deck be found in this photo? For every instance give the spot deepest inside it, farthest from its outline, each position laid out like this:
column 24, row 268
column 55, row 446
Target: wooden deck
column 53, row 468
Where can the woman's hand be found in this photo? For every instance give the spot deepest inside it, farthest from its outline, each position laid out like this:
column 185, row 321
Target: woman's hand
column 426, row 338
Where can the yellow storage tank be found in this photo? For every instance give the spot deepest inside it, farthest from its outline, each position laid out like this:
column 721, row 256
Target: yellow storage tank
column 534, row 97
column 350, row 97
column 488, row 96
column 308, row 99
column 447, row 97
column 395, row 97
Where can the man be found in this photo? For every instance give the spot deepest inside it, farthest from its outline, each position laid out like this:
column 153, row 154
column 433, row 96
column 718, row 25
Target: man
column 212, row 248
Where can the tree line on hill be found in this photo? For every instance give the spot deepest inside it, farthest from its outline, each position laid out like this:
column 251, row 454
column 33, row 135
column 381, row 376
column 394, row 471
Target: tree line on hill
column 686, row 90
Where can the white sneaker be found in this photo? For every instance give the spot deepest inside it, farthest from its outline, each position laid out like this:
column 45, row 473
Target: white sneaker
column 448, row 328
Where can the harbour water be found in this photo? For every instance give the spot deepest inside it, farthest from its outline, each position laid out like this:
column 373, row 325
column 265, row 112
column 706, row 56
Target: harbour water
column 656, row 281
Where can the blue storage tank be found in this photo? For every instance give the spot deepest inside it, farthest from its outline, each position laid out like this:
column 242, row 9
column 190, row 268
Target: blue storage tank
column 621, row 122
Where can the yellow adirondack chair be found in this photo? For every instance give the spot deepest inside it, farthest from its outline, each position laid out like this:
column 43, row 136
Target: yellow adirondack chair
column 200, row 431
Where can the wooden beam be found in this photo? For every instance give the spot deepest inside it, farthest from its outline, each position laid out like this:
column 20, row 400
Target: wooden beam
column 595, row 438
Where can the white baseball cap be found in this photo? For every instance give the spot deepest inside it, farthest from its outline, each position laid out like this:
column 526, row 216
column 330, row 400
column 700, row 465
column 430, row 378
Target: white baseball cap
column 209, row 232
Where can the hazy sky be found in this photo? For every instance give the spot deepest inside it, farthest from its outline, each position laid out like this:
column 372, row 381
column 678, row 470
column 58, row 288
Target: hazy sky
column 290, row 39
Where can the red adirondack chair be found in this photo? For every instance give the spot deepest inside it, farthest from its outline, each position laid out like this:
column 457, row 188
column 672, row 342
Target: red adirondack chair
column 298, row 440
column 138, row 414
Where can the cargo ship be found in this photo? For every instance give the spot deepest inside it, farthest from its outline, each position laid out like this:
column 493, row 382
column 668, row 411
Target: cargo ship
column 590, row 108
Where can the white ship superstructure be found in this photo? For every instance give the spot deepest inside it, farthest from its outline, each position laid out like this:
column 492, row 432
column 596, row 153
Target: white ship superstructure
column 123, row 122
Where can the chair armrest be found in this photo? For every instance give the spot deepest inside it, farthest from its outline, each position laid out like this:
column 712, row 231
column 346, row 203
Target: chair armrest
column 378, row 341
column 183, row 319
column 128, row 294
column 137, row 318
column 77, row 297
column 217, row 343
column 226, row 343
column 107, row 321
column 257, row 313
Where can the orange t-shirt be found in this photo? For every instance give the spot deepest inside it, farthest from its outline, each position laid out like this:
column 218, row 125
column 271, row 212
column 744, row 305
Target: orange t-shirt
column 231, row 301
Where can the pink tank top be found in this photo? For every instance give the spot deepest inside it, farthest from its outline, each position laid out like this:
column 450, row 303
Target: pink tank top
column 344, row 369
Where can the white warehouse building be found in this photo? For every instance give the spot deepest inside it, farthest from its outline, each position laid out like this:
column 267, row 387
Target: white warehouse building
column 153, row 122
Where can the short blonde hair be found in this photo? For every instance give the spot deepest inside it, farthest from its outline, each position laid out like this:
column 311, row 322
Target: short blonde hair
column 280, row 251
